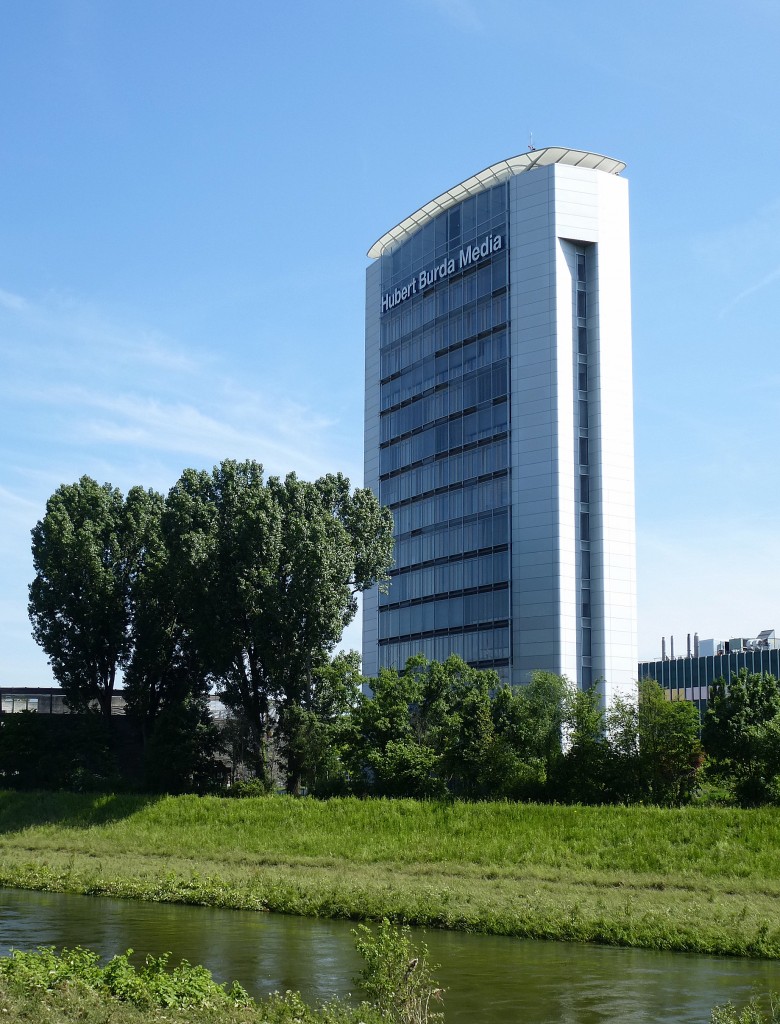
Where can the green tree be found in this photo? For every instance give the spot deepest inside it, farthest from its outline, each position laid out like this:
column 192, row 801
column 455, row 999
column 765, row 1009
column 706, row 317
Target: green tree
column 391, row 751
column 526, row 750
column 267, row 576
column 741, row 735
column 314, row 744
column 88, row 551
column 181, row 754
column 626, row 781
column 429, row 732
column 164, row 673
column 456, row 707
column 670, row 752
column 582, row 773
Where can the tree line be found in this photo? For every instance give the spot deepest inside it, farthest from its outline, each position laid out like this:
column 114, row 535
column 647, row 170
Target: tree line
column 446, row 730
column 233, row 580
column 242, row 584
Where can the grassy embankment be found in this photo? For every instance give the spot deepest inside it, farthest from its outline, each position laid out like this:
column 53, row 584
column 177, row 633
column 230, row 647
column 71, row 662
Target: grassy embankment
column 705, row 880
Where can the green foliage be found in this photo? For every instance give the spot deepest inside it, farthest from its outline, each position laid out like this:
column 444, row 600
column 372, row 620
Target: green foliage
column 154, row 984
column 449, row 730
column 396, row 977
column 528, row 724
column 267, row 575
column 88, row 552
column 427, row 733
column 389, row 753
column 581, row 775
column 644, row 750
column 446, row 729
column 670, row 752
column 245, row 789
column 752, row 1013
column 181, row 753
column 315, row 731
column 741, row 735
column 164, row 674
column 233, row 579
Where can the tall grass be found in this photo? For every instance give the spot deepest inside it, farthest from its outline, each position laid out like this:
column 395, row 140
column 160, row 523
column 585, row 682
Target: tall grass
column 705, row 879
column 702, row 842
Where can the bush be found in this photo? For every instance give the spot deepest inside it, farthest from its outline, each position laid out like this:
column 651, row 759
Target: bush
column 152, row 985
column 248, row 788
column 397, row 978
column 750, row 1014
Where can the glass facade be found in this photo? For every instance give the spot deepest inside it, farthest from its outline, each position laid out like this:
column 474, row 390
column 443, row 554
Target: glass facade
column 498, row 425
column 580, row 334
column 691, row 678
column 444, row 437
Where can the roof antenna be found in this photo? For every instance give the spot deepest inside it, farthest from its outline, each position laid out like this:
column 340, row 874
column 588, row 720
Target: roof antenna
column 531, row 146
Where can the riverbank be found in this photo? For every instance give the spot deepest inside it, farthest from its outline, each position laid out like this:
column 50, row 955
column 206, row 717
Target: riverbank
column 80, row 984
column 696, row 879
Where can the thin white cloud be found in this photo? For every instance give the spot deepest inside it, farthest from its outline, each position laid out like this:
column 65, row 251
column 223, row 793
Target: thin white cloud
column 180, row 428
column 84, row 392
column 740, row 252
column 74, row 332
column 12, row 502
column 98, row 384
column 10, row 301
column 758, row 286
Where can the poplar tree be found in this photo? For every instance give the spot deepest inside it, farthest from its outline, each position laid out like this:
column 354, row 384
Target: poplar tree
column 89, row 550
column 267, row 575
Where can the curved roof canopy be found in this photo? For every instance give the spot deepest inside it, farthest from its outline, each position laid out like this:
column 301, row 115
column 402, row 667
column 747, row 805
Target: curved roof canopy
column 492, row 175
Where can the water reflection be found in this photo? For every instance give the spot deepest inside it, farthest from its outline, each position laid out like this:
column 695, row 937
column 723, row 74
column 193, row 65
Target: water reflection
column 488, row 979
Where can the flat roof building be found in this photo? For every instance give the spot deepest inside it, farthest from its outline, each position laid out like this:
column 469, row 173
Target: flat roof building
column 691, row 677
column 499, row 424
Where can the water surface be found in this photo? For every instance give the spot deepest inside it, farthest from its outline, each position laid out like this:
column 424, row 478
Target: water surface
column 488, row 979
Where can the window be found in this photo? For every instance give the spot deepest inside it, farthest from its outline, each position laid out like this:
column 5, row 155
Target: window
column 454, row 225
column 586, row 642
column 584, row 526
column 585, row 564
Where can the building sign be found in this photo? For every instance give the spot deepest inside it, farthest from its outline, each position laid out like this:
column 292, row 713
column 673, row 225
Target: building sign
column 467, row 257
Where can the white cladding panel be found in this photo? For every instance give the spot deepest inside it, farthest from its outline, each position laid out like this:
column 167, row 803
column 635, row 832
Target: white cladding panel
column 554, row 211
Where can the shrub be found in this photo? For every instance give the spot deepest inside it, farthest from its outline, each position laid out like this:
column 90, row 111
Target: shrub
column 397, row 978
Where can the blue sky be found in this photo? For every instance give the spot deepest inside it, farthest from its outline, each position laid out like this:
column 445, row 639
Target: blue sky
column 188, row 191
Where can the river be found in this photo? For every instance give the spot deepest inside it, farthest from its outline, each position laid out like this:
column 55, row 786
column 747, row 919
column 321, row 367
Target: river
column 488, row 979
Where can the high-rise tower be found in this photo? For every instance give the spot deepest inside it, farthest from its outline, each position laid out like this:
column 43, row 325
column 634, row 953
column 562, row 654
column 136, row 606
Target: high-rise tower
column 499, row 424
